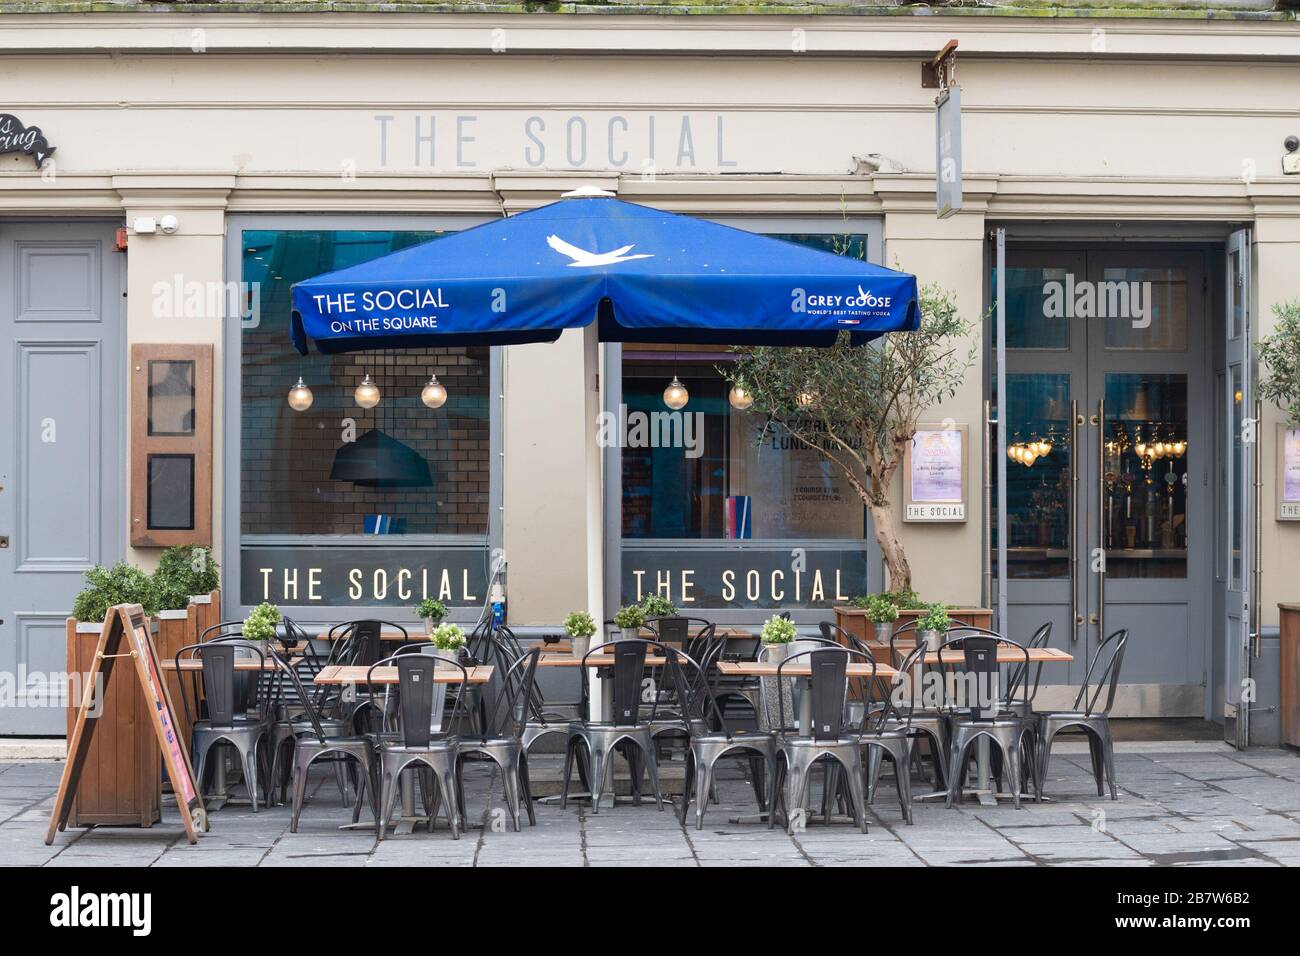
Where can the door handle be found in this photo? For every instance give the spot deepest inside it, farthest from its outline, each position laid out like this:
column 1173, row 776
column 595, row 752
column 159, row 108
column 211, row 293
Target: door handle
column 1100, row 616
column 1075, row 618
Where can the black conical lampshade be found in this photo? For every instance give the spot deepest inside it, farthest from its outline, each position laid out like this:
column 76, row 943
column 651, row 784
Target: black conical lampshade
column 377, row 460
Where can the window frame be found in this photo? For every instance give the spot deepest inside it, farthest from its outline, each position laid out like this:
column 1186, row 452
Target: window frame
column 233, row 540
column 872, row 227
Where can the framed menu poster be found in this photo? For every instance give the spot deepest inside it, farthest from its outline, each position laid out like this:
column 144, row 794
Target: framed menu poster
column 1288, row 473
column 934, row 474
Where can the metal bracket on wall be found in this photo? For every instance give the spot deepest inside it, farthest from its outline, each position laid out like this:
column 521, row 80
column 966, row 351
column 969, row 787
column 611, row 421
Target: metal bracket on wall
column 940, row 72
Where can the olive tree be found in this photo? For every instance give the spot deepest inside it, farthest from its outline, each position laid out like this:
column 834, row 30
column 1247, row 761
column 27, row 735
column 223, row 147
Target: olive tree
column 858, row 406
column 1280, row 353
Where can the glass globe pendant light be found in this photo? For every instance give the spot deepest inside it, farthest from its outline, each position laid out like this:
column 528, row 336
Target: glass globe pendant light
column 367, row 393
column 740, row 398
column 434, row 393
column 300, row 396
column 675, row 395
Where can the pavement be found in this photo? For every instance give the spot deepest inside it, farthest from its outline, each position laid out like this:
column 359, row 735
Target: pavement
column 1180, row 804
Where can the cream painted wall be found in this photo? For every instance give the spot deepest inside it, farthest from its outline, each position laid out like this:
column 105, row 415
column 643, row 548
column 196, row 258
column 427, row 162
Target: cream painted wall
column 1277, row 252
column 156, row 265
column 545, row 529
column 945, row 557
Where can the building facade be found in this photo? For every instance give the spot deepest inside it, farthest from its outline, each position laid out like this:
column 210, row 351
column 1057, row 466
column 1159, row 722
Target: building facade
column 1132, row 163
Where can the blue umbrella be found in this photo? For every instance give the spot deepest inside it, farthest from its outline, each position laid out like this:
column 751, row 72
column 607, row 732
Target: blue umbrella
column 644, row 274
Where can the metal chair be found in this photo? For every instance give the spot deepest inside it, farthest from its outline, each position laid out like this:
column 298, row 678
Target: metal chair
column 228, row 703
column 931, row 722
column 356, row 749
column 417, row 744
column 711, row 740
column 506, row 747
column 890, row 733
column 1094, row 723
column 624, row 729
column 291, row 719
column 828, row 738
column 1007, row 729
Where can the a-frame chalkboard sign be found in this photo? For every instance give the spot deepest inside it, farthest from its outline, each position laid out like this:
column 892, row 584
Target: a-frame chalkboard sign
column 127, row 621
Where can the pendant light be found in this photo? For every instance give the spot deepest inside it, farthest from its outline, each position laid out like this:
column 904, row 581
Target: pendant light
column 434, row 393
column 740, row 398
column 367, row 393
column 675, row 395
column 300, row 396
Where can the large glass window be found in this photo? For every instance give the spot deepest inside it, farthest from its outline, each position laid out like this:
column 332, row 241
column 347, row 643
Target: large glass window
column 338, row 468
column 742, row 477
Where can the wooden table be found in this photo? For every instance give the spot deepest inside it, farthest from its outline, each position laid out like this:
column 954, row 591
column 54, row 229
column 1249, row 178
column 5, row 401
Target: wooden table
column 801, row 671
column 341, row 674
column 1006, row 655
column 414, row 633
column 769, row 669
column 241, row 664
column 594, row 660
column 955, row 657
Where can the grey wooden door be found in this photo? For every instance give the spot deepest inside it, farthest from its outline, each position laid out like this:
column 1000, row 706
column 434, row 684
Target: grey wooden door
column 1237, row 404
column 62, row 432
column 1109, row 499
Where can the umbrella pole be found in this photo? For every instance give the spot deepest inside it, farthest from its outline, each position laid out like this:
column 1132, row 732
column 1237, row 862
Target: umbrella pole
column 593, row 404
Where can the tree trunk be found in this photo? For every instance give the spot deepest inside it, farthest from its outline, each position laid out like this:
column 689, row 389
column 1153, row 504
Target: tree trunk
column 900, row 572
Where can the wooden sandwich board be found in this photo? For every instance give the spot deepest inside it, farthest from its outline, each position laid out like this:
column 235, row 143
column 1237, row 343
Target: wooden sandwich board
column 128, row 621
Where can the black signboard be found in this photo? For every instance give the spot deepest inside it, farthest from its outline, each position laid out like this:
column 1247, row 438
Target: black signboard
column 29, row 140
column 290, row 576
column 735, row 576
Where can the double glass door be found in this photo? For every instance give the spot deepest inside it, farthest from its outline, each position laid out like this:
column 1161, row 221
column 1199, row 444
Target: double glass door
column 1108, row 498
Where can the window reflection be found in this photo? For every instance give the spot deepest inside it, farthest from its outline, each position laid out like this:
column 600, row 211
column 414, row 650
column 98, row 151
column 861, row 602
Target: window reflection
column 1038, row 476
column 1145, row 476
column 336, row 468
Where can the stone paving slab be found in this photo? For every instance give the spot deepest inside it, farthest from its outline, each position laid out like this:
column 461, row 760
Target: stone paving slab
column 1179, row 805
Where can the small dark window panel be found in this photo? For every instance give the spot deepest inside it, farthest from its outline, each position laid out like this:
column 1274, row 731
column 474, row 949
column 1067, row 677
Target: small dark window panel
column 171, row 397
column 171, row 493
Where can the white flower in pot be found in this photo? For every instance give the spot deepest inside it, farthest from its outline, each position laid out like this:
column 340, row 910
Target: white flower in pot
column 447, row 639
column 431, row 612
column 777, row 634
column 579, row 626
column 629, row 620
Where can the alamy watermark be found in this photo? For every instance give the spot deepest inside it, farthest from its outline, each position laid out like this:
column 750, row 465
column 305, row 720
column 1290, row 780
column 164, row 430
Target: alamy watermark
column 1085, row 299
column 177, row 298
column 651, row 430
column 24, row 689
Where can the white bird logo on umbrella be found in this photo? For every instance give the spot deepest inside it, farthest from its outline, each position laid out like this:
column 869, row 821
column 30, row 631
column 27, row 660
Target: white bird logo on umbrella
column 583, row 259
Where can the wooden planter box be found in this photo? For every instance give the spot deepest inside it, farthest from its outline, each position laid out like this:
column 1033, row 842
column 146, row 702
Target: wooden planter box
column 176, row 629
column 854, row 620
column 1289, row 618
column 120, row 783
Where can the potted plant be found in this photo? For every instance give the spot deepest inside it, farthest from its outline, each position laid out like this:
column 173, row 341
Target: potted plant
column 777, row 634
column 580, row 627
column 1279, row 351
column 656, row 606
column 185, row 571
column 933, row 625
column 629, row 620
column 431, row 612
column 447, row 640
column 882, row 612
column 260, row 625
column 105, row 587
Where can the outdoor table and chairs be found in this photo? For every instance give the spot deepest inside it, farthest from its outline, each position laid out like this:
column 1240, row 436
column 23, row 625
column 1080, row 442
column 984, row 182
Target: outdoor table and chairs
column 388, row 724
